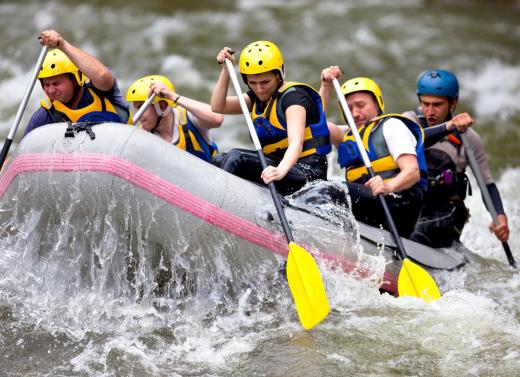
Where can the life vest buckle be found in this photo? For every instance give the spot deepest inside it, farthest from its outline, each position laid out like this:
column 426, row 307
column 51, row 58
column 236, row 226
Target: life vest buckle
column 444, row 178
column 74, row 128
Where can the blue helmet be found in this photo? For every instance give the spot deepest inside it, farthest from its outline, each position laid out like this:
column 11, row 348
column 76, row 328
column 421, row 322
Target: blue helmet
column 438, row 82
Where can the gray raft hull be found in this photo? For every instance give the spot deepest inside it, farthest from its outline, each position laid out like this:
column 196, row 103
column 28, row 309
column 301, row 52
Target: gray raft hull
column 137, row 182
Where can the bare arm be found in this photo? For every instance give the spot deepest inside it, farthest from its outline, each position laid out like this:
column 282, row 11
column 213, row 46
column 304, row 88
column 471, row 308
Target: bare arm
column 327, row 75
column 202, row 111
column 99, row 75
column 409, row 174
column 406, row 178
column 296, row 116
column 220, row 102
column 336, row 133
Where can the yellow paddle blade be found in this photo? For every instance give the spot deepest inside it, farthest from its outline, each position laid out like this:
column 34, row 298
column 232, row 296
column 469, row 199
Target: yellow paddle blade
column 416, row 281
column 306, row 287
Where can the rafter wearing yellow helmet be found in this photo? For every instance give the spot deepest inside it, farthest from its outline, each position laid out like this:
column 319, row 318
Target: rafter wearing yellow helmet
column 288, row 118
column 70, row 97
column 260, row 57
column 179, row 120
column 394, row 145
column 57, row 63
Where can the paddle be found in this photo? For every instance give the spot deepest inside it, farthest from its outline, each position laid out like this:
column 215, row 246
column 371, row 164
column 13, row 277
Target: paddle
column 303, row 274
column 23, row 105
column 143, row 108
column 413, row 280
column 485, row 193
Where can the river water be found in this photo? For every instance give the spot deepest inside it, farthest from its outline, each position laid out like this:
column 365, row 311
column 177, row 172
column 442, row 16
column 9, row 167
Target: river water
column 50, row 328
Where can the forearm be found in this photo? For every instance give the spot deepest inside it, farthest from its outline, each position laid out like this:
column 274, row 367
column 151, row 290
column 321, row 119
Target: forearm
column 434, row 134
column 496, row 200
column 328, row 75
column 408, row 175
column 336, row 134
column 99, row 75
column 325, row 90
column 296, row 116
column 404, row 180
column 291, row 156
column 201, row 110
column 219, row 96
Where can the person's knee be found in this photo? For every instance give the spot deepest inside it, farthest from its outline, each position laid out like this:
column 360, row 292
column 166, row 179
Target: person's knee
column 236, row 160
column 218, row 159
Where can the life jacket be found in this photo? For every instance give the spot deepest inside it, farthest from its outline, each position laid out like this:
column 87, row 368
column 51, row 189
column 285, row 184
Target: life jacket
column 99, row 110
column 375, row 145
column 446, row 182
column 191, row 140
column 271, row 125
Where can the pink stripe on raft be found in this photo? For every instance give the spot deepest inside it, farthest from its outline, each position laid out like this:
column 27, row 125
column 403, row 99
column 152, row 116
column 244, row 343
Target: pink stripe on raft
column 165, row 190
column 160, row 187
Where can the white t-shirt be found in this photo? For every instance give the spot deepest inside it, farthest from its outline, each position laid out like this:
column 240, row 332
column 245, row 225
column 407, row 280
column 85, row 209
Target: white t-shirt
column 203, row 131
column 399, row 138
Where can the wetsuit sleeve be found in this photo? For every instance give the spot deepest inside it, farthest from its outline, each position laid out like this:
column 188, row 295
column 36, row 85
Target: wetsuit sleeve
column 434, row 134
column 299, row 96
column 480, row 155
column 495, row 198
column 38, row 119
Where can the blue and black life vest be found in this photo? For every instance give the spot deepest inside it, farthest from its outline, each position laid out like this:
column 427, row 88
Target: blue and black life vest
column 191, row 140
column 271, row 125
column 377, row 150
column 445, row 181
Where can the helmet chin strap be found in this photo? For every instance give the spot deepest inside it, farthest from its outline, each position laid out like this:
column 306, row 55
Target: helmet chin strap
column 160, row 113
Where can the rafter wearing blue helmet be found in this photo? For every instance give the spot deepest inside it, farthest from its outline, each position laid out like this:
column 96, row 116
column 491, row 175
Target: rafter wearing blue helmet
column 444, row 213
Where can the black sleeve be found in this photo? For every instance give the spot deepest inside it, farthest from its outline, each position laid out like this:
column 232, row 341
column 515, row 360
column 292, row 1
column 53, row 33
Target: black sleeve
column 495, row 198
column 434, row 134
column 299, row 96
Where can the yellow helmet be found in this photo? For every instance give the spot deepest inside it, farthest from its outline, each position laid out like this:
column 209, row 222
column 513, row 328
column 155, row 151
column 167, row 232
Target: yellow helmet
column 138, row 91
column 260, row 57
column 364, row 84
column 56, row 63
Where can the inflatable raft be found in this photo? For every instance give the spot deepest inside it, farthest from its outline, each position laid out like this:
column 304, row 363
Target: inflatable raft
column 116, row 177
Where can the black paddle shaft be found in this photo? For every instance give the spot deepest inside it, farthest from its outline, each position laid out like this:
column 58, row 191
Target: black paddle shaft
column 509, row 255
column 276, row 200
column 5, row 150
column 390, row 220
column 258, row 148
column 473, row 163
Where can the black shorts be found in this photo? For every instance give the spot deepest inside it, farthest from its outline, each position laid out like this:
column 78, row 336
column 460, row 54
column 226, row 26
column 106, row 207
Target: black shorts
column 246, row 164
column 405, row 207
column 441, row 224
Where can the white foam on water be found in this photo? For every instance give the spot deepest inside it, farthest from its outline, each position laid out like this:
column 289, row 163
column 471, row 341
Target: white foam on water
column 492, row 88
column 476, row 319
column 476, row 234
column 183, row 73
column 457, row 327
